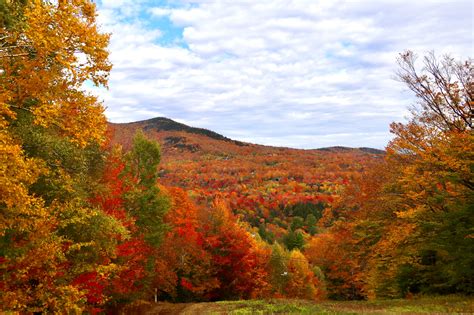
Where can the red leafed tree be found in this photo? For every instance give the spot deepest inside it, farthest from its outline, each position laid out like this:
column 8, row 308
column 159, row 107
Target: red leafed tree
column 235, row 254
column 93, row 284
column 111, row 201
column 183, row 270
column 131, row 253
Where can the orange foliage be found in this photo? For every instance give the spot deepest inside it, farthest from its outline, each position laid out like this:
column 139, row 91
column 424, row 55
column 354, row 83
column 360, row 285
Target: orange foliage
column 184, row 267
column 235, row 254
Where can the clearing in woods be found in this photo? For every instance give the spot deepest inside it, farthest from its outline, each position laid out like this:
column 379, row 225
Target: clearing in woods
column 423, row 305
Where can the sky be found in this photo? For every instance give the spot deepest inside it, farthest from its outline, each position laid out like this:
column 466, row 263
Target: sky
column 302, row 73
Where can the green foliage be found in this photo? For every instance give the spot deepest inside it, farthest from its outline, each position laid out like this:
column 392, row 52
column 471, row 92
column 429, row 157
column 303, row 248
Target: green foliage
column 143, row 160
column 267, row 236
column 74, row 171
column 144, row 200
column 278, row 268
column 447, row 257
column 11, row 12
column 310, row 222
column 297, row 223
column 91, row 235
column 294, row 240
column 303, row 210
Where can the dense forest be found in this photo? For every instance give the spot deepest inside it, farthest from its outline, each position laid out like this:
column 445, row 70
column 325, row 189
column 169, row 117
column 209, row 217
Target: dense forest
column 94, row 216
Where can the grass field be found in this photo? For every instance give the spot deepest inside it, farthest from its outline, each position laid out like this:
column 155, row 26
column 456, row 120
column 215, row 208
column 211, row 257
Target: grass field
column 426, row 305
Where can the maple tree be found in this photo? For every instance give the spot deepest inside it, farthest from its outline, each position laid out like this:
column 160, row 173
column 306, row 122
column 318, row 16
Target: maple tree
column 131, row 251
column 184, row 268
column 234, row 253
column 290, row 275
column 302, row 280
column 133, row 197
column 45, row 77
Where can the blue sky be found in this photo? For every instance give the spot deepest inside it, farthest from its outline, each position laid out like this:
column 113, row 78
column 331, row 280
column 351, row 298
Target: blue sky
column 301, row 73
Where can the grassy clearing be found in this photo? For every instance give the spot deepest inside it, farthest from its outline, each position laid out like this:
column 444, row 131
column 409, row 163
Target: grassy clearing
column 270, row 307
column 420, row 305
column 430, row 305
column 433, row 305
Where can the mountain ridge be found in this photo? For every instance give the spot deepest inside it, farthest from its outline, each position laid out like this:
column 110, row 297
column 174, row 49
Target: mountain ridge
column 166, row 124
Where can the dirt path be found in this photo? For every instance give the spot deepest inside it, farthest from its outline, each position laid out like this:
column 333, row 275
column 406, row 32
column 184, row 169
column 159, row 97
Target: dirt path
column 186, row 309
column 168, row 308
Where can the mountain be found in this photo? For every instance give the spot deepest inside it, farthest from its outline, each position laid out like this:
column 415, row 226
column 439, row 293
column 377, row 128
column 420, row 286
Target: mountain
column 276, row 190
column 165, row 124
column 183, row 137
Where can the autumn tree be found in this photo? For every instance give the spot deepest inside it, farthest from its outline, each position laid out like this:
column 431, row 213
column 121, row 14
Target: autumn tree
column 403, row 226
column 435, row 149
column 184, row 271
column 136, row 199
column 124, row 283
column 294, row 239
column 351, row 227
column 290, row 275
column 45, row 77
column 235, row 254
column 302, row 282
column 278, row 270
column 51, row 132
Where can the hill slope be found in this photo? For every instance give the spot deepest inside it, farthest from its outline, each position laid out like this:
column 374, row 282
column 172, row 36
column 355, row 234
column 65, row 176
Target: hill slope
column 277, row 190
column 165, row 124
column 160, row 126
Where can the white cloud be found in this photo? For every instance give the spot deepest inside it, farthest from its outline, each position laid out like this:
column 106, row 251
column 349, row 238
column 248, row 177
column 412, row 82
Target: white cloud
column 160, row 12
column 299, row 73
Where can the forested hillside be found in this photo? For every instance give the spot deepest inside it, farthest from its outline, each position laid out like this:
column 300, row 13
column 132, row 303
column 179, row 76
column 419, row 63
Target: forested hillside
column 97, row 216
column 281, row 192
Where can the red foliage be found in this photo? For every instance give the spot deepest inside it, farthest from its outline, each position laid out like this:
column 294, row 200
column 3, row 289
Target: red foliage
column 182, row 255
column 132, row 254
column 111, row 201
column 234, row 254
column 93, row 284
column 256, row 181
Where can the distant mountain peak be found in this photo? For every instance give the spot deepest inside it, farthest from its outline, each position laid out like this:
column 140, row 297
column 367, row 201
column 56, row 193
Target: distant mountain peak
column 166, row 124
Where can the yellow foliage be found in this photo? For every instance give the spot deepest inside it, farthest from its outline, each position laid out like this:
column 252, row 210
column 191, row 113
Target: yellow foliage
column 16, row 173
column 46, row 56
column 302, row 281
column 46, row 63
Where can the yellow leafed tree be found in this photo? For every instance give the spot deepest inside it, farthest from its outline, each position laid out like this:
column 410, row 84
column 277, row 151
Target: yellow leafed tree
column 48, row 51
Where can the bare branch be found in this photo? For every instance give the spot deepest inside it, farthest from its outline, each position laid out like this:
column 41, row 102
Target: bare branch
column 445, row 88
